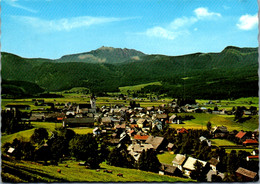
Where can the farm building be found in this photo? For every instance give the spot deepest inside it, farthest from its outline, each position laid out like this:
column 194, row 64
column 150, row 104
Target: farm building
column 246, row 175
column 78, row 122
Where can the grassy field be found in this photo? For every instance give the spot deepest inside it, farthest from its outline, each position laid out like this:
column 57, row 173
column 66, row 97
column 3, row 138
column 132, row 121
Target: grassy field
column 222, row 142
column 82, row 130
column 136, row 87
column 76, row 173
column 26, row 134
column 201, row 120
column 166, row 157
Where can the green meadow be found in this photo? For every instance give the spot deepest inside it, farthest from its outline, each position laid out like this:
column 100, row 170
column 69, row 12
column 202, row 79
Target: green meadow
column 76, row 173
column 136, row 87
column 201, row 120
column 166, row 157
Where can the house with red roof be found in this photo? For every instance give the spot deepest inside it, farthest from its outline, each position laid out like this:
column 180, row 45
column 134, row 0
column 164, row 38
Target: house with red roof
column 250, row 142
column 182, row 131
column 243, row 135
column 252, row 157
column 141, row 138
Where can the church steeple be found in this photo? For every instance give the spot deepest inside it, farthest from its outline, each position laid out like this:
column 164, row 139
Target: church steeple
column 93, row 102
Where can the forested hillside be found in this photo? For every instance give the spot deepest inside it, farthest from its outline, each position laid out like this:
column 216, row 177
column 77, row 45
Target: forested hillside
column 231, row 73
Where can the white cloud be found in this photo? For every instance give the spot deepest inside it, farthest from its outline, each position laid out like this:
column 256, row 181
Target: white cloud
column 202, row 13
column 182, row 22
column 160, row 32
column 179, row 26
column 14, row 3
column 66, row 24
column 247, row 22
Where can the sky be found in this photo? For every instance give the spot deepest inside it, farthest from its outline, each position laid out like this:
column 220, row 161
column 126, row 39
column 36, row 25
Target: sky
column 53, row 28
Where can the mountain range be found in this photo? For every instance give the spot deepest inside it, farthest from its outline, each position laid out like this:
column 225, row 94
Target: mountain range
column 231, row 73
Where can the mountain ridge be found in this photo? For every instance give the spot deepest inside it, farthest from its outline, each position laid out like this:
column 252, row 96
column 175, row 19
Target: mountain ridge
column 220, row 73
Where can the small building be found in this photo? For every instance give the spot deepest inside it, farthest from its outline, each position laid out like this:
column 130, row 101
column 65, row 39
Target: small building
column 202, row 138
column 213, row 163
column 142, row 123
column 250, row 142
column 189, row 165
column 106, row 121
column 78, row 122
column 243, row 135
column 252, row 157
column 17, row 107
column 159, row 143
column 83, row 108
column 141, row 138
column 220, row 131
column 170, row 146
column 138, row 148
column 97, row 131
column 246, row 175
column 213, row 172
column 170, row 170
column 178, row 161
column 182, row 131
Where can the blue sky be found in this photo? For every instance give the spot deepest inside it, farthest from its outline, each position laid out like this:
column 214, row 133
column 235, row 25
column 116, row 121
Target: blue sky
column 53, row 28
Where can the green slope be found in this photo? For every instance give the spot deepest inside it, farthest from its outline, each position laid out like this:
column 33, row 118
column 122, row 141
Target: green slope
column 230, row 73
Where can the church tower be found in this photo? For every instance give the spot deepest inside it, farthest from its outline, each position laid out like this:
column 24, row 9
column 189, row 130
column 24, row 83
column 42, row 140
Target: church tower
column 93, row 103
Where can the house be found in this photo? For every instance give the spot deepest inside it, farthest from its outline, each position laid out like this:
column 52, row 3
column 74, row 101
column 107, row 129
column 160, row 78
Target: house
column 37, row 117
column 138, row 148
column 162, row 117
column 170, row 170
column 182, row 131
column 159, row 143
column 255, row 152
column 170, row 146
column 10, row 151
column 122, row 126
column 78, row 122
column 142, row 123
column 178, row 161
column 213, row 163
column 175, row 119
column 135, row 155
column 83, row 108
column 158, row 124
column 213, row 172
column 97, row 131
column 250, row 142
column 17, row 107
column 189, row 165
column 220, row 131
column 141, row 138
column 106, row 121
column 246, row 175
column 124, row 138
column 252, row 157
column 243, row 135
column 205, row 139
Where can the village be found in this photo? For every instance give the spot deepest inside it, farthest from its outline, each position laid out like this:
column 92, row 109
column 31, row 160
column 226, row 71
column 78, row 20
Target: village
column 136, row 130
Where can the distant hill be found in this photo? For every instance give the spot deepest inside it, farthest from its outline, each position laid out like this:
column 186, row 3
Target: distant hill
column 16, row 89
column 103, row 55
column 231, row 73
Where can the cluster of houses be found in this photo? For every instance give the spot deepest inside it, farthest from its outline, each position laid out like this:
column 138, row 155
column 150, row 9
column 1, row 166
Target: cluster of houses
column 182, row 164
column 125, row 125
